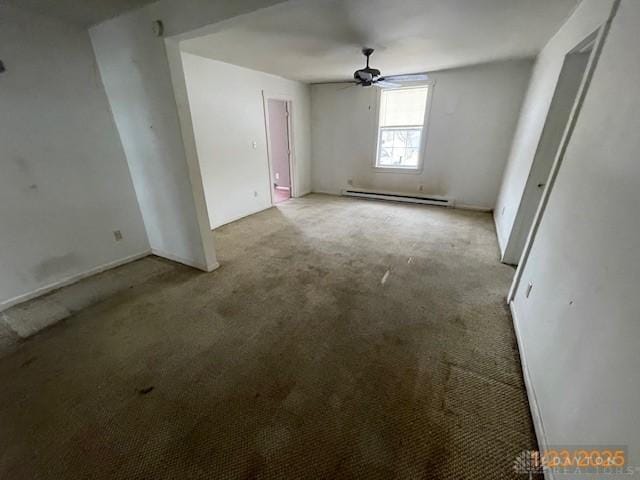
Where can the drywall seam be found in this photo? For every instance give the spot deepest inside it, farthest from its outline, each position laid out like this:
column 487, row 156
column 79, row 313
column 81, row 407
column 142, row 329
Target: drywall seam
column 71, row 279
column 531, row 394
column 189, row 263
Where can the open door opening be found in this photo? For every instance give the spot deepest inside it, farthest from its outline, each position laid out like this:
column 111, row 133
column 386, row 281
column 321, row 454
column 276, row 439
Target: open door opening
column 278, row 133
column 571, row 77
column 579, row 65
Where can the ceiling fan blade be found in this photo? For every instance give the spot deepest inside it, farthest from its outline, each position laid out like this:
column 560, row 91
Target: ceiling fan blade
column 385, row 84
column 416, row 77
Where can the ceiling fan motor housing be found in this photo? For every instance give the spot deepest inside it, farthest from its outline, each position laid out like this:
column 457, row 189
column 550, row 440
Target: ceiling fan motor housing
column 366, row 76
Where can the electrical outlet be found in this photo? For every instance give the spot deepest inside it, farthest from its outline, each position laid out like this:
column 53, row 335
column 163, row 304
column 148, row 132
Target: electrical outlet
column 254, row 145
column 277, row 176
column 350, row 182
column 117, row 234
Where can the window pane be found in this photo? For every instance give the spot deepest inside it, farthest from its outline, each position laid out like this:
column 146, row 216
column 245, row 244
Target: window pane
column 403, row 107
column 386, row 138
column 385, row 157
column 400, row 139
column 411, row 157
column 399, row 147
column 398, row 156
column 414, row 138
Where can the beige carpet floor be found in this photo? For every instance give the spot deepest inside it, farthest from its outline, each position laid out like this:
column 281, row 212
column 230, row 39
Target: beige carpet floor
column 340, row 338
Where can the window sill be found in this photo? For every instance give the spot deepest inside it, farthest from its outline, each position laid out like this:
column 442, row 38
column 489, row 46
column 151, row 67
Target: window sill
column 410, row 171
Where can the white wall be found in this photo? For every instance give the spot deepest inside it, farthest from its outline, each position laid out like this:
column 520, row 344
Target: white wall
column 589, row 15
column 65, row 185
column 473, row 115
column 135, row 68
column 579, row 329
column 228, row 116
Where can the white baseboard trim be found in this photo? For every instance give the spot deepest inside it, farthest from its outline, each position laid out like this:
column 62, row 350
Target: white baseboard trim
column 475, row 208
column 185, row 261
column 70, row 279
column 326, row 192
column 213, row 266
column 234, row 219
column 538, row 425
column 501, row 245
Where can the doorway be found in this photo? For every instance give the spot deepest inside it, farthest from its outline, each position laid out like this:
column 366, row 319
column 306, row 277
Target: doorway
column 570, row 79
column 279, row 146
column 572, row 68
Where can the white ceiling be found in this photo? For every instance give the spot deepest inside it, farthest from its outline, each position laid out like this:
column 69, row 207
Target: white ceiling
column 320, row 40
column 81, row 12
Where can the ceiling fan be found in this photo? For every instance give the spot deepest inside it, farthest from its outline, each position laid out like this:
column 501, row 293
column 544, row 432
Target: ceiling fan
column 368, row 76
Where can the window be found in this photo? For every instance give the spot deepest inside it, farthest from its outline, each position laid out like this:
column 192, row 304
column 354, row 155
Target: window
column 400, row 127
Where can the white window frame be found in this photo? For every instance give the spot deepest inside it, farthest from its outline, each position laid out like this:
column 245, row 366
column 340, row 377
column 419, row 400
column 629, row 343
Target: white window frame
column 423, row 139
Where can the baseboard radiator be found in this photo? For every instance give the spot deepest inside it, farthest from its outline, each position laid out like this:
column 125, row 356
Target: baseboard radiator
column 399, row 197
